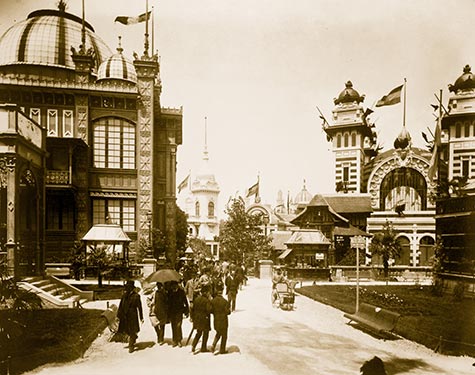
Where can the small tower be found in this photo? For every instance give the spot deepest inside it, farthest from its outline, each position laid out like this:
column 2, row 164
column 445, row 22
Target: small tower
column 458, row 128
column 353, row 139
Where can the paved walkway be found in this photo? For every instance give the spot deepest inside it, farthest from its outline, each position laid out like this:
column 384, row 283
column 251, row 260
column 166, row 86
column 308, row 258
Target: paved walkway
column 312, row 339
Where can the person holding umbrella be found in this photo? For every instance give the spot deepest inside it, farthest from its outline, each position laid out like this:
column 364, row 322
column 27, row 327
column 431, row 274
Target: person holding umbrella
column 129, row 313
column 159, row 312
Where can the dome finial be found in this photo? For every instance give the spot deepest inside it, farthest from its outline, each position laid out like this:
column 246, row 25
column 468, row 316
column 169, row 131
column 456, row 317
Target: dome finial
column 62, row 5
column 467, row 69
column 119, row 48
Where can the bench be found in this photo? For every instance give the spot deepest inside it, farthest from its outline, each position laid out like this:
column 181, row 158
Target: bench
column 364, row 275
column 380, row 321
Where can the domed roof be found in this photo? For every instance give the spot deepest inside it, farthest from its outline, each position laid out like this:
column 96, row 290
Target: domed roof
column 46, row 38
column 403, row 139
column 117, row 67
column 465, row 81
column 349, row 95
column 303, row 197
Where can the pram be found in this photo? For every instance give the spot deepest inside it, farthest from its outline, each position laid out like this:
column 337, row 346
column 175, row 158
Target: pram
column 283, row 296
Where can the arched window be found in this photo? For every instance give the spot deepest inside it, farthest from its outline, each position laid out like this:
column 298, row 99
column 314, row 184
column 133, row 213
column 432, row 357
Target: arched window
column 426, row 251
column 197, row 209
column 353, row 139
column 338, row 141
column 211, row 209
column 346, row 139
column 405, row 254
column 403, row 186
column 114, row 143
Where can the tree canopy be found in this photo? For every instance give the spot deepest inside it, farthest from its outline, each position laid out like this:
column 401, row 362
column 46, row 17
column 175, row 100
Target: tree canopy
column 241, row 238
column 386, row 245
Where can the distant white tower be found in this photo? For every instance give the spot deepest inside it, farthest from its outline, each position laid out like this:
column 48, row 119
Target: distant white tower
column 200, row 201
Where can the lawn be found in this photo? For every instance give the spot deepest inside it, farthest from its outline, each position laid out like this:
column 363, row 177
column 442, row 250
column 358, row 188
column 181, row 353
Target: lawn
column 46, row 336
column 425, row 318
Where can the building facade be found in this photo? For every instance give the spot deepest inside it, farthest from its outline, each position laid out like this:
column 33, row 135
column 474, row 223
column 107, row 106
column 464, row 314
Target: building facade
column 396, row 180
column 83, row 141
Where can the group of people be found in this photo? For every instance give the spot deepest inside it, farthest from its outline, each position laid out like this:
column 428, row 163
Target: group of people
column 198, row 295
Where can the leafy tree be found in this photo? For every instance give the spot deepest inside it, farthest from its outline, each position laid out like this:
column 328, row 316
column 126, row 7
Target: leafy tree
column 181, row 229
column 386, row 245
column 241, row 237
column 200, row 250
column 102, row 259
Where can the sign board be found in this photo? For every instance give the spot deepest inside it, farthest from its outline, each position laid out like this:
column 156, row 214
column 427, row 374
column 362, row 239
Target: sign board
column 358, row 242
column 319, row 256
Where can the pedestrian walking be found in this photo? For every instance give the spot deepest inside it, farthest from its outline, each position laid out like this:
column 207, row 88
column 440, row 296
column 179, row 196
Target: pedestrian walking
column 232, row 287
column 201, row 315
column 374, row 366
column 220, row 310
column 177, row 308
column 159, row 311
column 129, row 313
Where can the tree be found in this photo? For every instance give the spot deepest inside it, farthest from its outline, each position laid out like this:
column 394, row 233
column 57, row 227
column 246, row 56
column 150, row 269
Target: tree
column 241, row 238
column 181, row 229
column 386, row 245
column 200, row 250
column 101, row 258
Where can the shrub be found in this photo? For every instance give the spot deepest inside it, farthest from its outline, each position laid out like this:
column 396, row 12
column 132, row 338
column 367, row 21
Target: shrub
column 459, row 291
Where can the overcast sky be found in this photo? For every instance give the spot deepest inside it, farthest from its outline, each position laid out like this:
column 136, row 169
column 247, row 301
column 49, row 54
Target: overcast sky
column 257, row 69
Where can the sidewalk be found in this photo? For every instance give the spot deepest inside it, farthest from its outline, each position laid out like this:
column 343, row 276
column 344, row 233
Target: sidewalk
column 263, row 340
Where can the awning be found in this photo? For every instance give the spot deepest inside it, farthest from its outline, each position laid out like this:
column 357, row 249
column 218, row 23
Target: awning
column 285, row 254
column 107, row 233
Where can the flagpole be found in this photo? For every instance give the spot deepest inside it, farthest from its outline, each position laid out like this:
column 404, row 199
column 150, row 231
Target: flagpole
column 404, row 113
column 83, row 27
column 146, row 29
column 153, row 31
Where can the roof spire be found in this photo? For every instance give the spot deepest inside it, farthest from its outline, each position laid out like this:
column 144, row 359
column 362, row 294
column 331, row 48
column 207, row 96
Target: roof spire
column 205, row 153
column 119, row 48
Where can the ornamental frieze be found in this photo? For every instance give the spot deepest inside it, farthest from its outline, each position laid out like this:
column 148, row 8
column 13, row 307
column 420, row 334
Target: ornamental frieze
column 7, row 165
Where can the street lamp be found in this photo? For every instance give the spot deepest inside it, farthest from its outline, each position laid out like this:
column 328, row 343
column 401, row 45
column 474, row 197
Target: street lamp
column 358, row 242
column 265, row 220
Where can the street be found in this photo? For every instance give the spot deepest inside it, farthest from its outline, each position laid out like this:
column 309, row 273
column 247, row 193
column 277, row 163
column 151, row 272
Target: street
column 311, row 339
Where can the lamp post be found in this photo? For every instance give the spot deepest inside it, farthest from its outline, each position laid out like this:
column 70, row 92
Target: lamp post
column 358, row 242
column 265, row 220
column 149, row 219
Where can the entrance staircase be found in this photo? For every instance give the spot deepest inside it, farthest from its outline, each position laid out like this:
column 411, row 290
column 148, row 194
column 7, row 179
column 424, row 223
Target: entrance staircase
column 55, row 292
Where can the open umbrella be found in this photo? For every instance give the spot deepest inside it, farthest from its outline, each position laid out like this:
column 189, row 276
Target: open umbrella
column 163, row 275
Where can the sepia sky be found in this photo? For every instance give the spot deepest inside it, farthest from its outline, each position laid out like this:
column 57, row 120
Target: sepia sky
column 257, row 69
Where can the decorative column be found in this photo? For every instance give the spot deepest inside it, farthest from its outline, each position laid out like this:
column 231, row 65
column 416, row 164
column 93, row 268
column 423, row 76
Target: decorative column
column 8, row 181
column 147, row 69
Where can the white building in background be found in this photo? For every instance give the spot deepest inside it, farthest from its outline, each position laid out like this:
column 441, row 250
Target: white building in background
column 198, row 197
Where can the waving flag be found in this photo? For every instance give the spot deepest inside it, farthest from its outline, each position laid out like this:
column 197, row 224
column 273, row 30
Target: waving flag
column 253, row 190
column 184, row 183
column 393, row 97
column 132, row 20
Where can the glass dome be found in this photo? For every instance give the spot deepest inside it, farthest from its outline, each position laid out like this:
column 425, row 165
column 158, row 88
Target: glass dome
column 46, row 38
column 117, row 67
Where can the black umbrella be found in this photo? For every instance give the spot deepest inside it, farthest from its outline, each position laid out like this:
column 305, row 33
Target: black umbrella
column 163, row 275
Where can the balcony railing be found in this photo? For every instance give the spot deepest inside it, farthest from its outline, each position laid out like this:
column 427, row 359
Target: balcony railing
column 56, row 177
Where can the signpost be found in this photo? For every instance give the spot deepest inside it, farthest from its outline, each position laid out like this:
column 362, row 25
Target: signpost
column 358, row 242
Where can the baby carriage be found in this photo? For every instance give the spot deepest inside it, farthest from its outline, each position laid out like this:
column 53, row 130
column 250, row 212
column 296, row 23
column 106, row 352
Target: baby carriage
column 283, row 296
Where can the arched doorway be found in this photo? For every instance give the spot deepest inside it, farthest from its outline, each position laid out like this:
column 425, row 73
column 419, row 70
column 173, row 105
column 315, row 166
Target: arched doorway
column 28, row 201
column 404, row 258
column 426, row 251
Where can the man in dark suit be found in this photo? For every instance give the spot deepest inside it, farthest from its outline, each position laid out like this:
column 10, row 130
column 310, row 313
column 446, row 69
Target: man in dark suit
column 201, row 315
column 220, row 310
column 232, row 286
column 177, row 307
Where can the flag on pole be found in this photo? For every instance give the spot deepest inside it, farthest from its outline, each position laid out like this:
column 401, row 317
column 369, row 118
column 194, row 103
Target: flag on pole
column 184, row 183
column 253, row 190
column 393, row 97
column 133, row 20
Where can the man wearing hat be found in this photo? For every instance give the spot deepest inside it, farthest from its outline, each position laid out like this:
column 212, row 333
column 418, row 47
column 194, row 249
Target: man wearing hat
column 129, row 313
column 220, row 310
column 201, row 314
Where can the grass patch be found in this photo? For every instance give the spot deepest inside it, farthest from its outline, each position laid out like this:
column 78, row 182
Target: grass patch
column 425, row 318
column 46, row 336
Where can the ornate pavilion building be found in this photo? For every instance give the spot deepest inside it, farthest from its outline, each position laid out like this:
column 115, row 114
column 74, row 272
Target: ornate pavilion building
column 83, row 141
column 396, row 181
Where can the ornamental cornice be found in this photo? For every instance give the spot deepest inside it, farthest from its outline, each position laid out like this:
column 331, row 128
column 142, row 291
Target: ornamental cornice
column 36, row 81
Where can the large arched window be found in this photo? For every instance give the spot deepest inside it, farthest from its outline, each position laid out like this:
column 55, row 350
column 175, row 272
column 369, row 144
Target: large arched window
column 114, row 143
column 403, row 186
column 346, row 139
column 197, row 209
column 338, row 141
column 211, row 209
column 353, row 139
column 405, row 254
column 426, row 251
